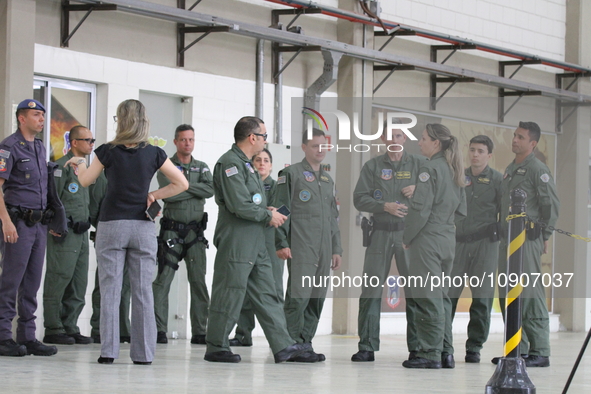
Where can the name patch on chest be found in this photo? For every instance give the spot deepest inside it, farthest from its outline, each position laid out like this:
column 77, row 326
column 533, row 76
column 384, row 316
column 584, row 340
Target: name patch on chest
column 521, row 171
column 57, row 173
column 403, row 175
column 281, row 180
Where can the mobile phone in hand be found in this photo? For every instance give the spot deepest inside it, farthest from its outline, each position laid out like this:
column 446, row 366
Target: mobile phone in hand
column 153, row 210
column 283, row 210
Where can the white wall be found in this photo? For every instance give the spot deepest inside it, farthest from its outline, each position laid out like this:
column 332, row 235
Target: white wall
column 218, row 102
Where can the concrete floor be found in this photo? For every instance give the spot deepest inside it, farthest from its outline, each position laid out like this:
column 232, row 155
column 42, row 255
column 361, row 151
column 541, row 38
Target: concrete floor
column 179, row 368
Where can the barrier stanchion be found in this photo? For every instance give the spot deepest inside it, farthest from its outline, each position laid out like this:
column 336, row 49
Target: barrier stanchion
column 511, row 377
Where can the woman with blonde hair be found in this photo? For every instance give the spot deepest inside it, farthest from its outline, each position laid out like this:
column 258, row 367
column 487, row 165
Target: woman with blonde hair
column 125, row 235
column 431, row 236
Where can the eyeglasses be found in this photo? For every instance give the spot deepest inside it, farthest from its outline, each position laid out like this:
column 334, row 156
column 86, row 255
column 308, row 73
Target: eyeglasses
column 261, row 135
column 115, row 118
column 89, row 140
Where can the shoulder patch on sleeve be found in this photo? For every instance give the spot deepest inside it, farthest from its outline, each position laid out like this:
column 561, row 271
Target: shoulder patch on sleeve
column 231, row 171
column 424, row 176
column 4, row 153
column 205, row 169
column 57, row 173
column 281, row 180
column 545, row 178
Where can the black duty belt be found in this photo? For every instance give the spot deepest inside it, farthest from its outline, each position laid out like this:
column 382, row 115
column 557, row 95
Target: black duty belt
column 78, row 227
column 395, row 226
column 491, row 231
column 473, row 237
column 30, row 216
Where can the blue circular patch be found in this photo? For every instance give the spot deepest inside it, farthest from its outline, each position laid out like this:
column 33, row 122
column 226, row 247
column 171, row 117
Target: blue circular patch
column 257, row 199
column 73, row 187
column 305, row 195
column 378, row 194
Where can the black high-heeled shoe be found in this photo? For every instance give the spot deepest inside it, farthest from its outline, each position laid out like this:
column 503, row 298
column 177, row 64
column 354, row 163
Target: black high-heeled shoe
column 105, row 360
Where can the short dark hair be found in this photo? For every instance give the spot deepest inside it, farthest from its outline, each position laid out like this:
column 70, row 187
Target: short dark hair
column 20, row 112
column 315, row 133
column 484, row 140
column 246, row 126
column 533, row 129
column 265, row 150
column 75, row 132
column 183, row 127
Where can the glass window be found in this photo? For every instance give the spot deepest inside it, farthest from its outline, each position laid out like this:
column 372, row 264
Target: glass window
column 68, row 104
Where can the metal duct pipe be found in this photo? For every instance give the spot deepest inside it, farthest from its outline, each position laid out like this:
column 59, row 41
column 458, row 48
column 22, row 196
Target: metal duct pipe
column 260, row 79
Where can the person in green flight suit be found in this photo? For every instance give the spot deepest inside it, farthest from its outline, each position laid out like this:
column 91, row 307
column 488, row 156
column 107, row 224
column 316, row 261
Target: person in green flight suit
column 242, row 265
column 528, row 173
column 66, row 275
column 263, row 162
column 477, row 242
column 430, row 235
column 182, row 238
column 97, row 193
column 310, row 240
column 384, row 188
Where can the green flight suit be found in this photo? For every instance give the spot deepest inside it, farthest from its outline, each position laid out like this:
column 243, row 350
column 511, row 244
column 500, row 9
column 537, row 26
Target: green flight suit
column 430, row 232
column 246, row 322
column 96, row 193
column 66, row 275
column 242, row 265
column 533, row 177
column 313, row 235
column 381, row 181
column 185, row 208
column 478, row 257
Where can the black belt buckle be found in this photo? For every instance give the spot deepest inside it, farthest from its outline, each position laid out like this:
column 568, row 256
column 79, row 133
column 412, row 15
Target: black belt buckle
column 169, row 243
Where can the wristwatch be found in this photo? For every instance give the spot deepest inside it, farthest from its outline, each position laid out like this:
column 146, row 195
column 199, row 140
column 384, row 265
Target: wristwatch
column 80, row 161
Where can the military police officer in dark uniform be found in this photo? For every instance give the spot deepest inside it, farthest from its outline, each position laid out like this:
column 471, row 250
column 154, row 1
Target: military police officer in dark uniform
column 24, row 216
column 66, row 276
column 477, row 242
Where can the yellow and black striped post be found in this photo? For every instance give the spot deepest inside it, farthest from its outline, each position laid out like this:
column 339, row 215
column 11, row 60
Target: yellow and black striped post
column 511, row 377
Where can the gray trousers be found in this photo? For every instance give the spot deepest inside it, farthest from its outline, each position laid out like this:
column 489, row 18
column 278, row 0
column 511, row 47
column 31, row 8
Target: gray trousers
column 130, row 243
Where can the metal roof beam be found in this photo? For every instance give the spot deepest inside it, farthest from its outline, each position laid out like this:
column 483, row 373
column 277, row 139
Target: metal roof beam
column 193, row 18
